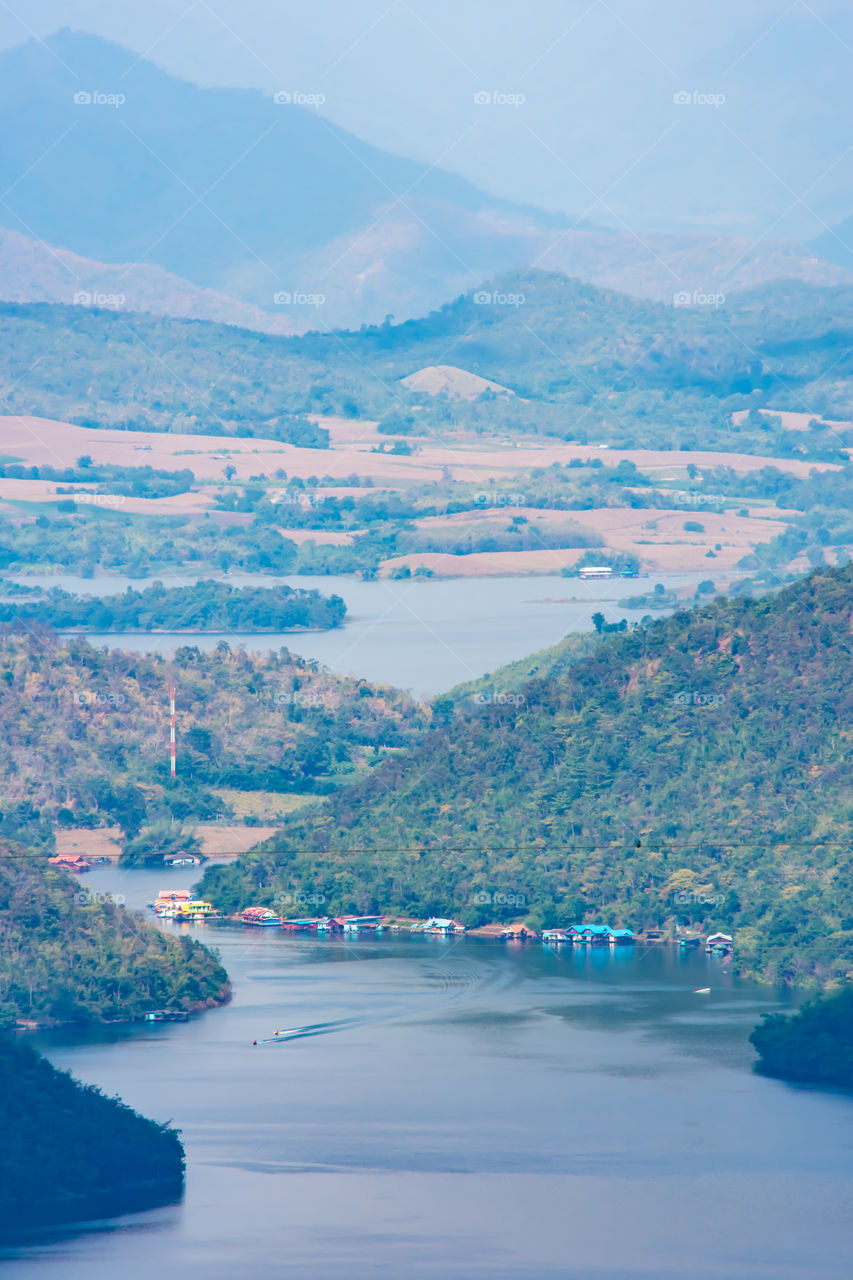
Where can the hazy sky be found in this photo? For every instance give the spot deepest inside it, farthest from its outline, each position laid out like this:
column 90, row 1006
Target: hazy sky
column 597, row 77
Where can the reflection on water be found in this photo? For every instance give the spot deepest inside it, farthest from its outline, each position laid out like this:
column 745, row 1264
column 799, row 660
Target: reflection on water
column 466, row 1109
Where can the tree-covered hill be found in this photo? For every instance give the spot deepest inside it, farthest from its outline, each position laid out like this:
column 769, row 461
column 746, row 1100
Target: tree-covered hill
column 814, row 1046
column 206, row 606
column 695, row 770
column 84, row 732
column 70, row 960
column 561, row 342
column 140, row 372
column 67, row 1152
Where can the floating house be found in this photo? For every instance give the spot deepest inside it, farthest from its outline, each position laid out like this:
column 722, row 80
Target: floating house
column 196, row 909
column 555, row 935
column 263, row 916
column 594, row 935
column 442, row 925
column 355, row 924
column 720, row 944
column 180, row 904
column 302, row 924
column 599, row 935
column 168, row 908
column 518, row 933
column 70, row 862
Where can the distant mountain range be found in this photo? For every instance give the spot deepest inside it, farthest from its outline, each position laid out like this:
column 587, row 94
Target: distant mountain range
column 31, row 271
column 584, row 363
column 124, row 182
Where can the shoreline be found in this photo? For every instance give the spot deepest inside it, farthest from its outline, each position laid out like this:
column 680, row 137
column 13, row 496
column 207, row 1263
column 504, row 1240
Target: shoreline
column 223, row 997
column 181, row 631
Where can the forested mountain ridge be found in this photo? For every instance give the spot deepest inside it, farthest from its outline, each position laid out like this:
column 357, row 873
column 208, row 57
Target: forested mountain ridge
column 587, row 364
column 563, row 343
column 695, row 770
column 163, row 142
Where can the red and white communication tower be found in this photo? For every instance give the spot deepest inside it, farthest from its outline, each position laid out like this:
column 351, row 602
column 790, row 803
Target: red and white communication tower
column 172, row 726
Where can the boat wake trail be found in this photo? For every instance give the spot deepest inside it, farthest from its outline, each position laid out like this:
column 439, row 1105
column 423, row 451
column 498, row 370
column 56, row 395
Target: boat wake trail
column 311, row 1029
column 442, row 991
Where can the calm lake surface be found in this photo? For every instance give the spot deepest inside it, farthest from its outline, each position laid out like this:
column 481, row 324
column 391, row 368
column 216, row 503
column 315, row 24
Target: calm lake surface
column 425, row 636
column 466, row 1109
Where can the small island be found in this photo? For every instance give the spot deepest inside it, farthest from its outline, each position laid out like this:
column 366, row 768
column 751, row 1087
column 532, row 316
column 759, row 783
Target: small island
column 206, row 606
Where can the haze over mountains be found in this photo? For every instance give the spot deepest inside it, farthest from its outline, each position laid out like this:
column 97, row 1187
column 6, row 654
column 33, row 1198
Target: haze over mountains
column 227, row 204
column 228, row 188
column 598, row 132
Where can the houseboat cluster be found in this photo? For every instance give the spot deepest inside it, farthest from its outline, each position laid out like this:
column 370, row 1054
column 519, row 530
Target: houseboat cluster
column 182, row 905
column 436, row 926
column 265, row 916
column 75, row 863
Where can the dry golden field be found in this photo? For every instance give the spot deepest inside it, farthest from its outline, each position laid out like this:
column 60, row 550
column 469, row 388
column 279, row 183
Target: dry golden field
column 43, row 442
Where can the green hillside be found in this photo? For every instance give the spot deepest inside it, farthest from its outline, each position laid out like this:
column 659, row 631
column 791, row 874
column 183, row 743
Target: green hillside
column 89, row 961
column 69, row 1153
column 814, row 1046
column 84, row 732
column 696, row 770
column 509, row 680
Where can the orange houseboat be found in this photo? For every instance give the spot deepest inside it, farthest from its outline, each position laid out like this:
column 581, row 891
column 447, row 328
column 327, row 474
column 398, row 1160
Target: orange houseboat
column 70, row 862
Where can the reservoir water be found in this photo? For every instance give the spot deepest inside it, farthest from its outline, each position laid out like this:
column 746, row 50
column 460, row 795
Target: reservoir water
column 465, row 1109
column 421, row 635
